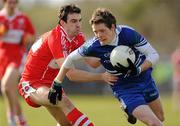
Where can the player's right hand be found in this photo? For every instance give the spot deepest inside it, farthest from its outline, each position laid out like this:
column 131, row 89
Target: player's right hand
column 3, row 29
column 55, row 93
column 109, row 78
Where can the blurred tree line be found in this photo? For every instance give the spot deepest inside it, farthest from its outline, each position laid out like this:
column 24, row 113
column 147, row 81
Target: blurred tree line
column 157, row 20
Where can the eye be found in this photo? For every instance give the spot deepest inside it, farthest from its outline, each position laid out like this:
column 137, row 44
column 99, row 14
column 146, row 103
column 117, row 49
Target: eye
column 102, row 31
column 73, row 20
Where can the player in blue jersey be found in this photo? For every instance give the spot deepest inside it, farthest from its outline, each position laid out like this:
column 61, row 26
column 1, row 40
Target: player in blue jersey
column 135, row 87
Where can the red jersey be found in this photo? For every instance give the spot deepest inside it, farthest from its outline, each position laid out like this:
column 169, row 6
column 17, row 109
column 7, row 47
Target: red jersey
column 40, row 64
column 16, row 25
column 11, row 49
column 175, row 58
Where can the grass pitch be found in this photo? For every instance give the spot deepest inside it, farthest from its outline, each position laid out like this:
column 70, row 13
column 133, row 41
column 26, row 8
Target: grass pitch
column 102, row 110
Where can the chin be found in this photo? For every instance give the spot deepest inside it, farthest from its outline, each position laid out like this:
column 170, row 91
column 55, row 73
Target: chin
column 75, row 34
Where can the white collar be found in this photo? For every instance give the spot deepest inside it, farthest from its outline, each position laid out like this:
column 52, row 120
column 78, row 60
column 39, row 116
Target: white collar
column 66, row 35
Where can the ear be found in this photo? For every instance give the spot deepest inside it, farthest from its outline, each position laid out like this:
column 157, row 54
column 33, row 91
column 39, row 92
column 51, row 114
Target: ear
column 62, row 22
column 113, row 27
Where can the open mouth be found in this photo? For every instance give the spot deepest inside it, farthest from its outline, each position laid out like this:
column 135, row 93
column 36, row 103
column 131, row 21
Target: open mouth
column 102, row 39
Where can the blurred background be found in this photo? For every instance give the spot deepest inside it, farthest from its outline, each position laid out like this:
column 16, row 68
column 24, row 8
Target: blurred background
column 157, row 20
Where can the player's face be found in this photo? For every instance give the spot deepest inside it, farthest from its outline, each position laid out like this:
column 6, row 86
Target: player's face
column 103, row 33
column 73, row 24
column 11, row 5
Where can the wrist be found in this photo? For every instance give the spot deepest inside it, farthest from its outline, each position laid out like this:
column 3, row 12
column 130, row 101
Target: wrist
column 56, row 86
column 57, row 81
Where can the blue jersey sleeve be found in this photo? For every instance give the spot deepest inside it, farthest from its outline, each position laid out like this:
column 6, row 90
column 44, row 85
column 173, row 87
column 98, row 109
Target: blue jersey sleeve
column 86, row 48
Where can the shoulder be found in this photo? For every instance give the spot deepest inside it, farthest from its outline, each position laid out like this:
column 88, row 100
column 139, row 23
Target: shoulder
column 129, row 35
column 53, row 35
column 88, row 46
column 3, row 12
column 22, row 17
column 125, row 29
column 91, row 42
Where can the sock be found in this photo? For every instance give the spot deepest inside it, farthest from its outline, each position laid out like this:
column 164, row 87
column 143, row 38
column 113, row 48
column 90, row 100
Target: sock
column 78, row 119
column 21, row 121
column 10, row 119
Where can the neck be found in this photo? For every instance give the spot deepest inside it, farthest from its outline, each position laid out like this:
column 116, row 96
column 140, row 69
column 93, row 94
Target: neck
column 70, row 36
column 10, row 12
column 113, row 39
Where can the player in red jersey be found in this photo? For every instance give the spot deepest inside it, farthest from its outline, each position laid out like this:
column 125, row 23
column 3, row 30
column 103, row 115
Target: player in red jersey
column 175, row 59
column 43, row 62
column 16, row 31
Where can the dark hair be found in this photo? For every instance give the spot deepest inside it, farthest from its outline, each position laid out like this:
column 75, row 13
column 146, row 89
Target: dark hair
column 4, row 1
column 68, row 9
column 102, row 15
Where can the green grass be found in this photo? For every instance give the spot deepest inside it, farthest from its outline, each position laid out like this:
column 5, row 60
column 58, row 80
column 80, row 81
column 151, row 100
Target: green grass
column 102, row 110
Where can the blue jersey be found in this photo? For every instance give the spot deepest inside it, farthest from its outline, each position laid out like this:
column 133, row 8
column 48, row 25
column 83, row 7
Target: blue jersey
column 125, row 36
column 131, row 91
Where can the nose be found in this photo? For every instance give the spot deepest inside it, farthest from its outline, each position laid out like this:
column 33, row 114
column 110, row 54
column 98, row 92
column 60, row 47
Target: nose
column 99, row 35
column 78, row 24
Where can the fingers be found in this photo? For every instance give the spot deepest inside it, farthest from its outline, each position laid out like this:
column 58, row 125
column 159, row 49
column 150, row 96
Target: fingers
column 111, row 79
column 60, row 95
column 119, row 65
column 130, row 62
column 121, row 68
column 110, row 83
column 52, row 98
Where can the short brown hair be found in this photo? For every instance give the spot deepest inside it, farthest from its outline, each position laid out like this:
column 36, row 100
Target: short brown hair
column 102, row 15
column 68, row 9
column 4, row 1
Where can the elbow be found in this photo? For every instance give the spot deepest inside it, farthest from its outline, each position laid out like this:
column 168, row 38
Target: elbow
column 156, row 59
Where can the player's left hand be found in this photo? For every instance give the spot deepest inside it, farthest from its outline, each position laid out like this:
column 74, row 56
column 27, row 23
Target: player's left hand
column 55, row 93
column 133, row 70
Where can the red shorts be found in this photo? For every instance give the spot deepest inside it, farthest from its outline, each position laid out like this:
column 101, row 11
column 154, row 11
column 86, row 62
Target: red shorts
column 26, row 87
column 10, row 55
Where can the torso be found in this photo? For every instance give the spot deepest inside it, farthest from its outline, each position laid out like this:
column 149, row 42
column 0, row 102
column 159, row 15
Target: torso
column 95, row 49
column 41, row 65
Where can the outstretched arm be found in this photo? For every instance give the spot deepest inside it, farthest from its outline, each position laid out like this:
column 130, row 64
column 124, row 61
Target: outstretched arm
column 83, row 76
column 55, row 92
column 67, row 68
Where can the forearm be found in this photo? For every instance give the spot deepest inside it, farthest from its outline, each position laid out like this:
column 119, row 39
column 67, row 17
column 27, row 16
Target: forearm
column 151, row 54
column 83, row 76
column 67, row 65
